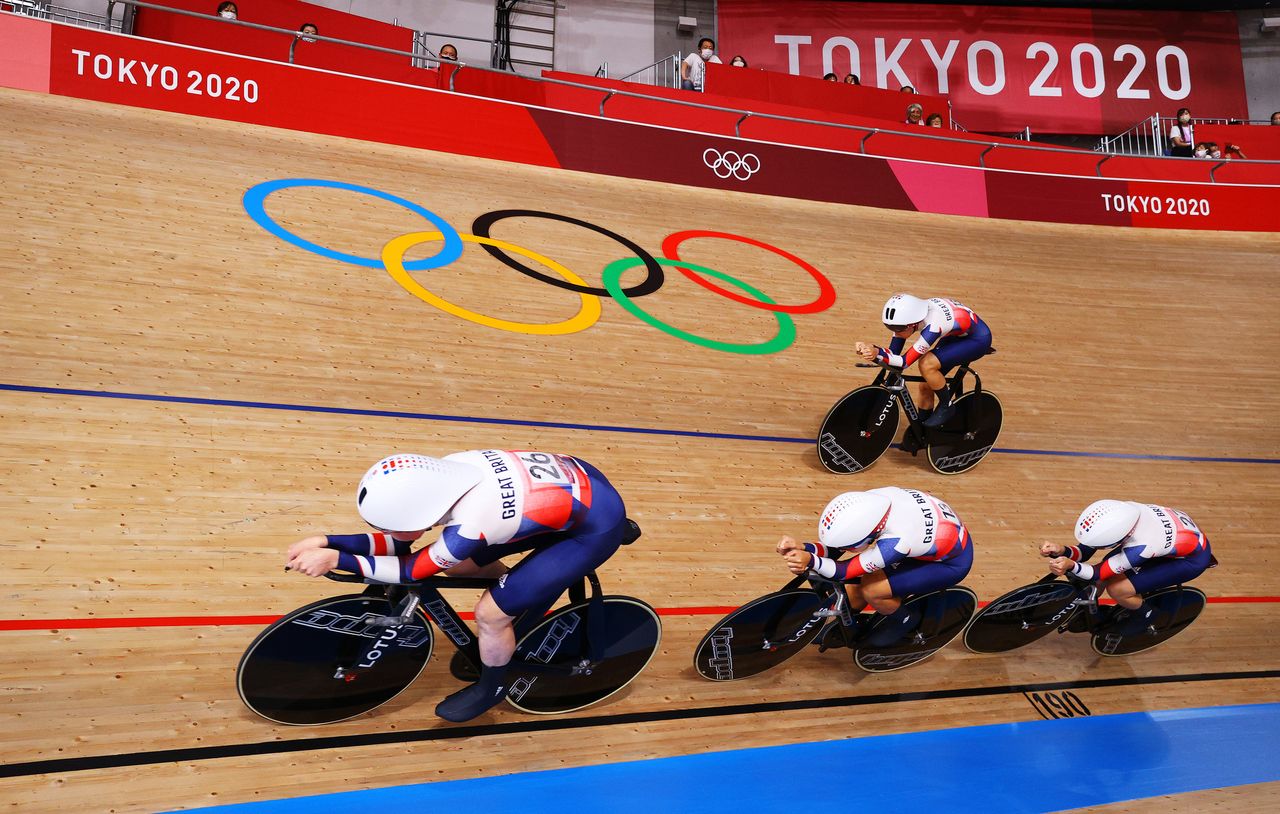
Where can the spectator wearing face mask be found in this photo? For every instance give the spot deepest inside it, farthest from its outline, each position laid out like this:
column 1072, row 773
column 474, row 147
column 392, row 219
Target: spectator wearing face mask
column 1275, row 117
column 851, row 79
column 694, row 68
column 228, row 11
column 915, row 114
column 738, row 61
column 1182, row 135
column 307, row 32
column 934, row 120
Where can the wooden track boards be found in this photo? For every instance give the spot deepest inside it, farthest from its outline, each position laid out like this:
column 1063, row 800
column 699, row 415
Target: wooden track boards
column 129, row 267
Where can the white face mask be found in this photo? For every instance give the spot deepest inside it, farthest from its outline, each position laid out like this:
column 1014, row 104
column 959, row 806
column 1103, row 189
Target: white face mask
column 308, row 38
column 228, row 15
column 1216, row 154
column 706, row 53
column 1201, row 153
column 739, row 64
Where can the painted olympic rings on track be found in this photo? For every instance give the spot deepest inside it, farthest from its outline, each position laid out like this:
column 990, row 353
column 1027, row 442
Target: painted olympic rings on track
column 393, row 257
column 651, row 283
column 393, row 253
column 786, row 326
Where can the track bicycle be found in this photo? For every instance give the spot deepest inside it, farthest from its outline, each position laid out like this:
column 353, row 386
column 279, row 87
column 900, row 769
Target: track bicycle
column 861, row 426
column 767, row 631
column 343, row 656
column 1031, row 612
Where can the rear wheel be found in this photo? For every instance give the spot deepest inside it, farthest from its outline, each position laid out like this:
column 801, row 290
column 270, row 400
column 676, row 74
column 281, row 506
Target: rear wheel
column 1175, row 609
column 858, row 430
column 570, row 660
column 329, row 661
column 942, row 616
column 967, row 437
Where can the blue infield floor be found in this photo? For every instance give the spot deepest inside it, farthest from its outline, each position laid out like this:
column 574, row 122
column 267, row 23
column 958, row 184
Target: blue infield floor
column 1024, row 767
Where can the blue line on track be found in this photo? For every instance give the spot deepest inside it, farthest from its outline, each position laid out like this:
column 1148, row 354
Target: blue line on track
column 561, row 425
column 1017, row 767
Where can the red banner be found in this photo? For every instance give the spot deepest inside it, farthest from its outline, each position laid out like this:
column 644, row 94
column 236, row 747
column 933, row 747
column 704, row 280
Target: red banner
column 1054, row 69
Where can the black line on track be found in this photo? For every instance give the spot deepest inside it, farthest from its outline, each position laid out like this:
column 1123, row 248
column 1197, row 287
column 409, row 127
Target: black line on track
column 81, row 764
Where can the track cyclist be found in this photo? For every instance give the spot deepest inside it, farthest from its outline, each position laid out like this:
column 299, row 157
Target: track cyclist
column 950, row 335
column 491, row 503
column 1158, row 547
column 907, row 543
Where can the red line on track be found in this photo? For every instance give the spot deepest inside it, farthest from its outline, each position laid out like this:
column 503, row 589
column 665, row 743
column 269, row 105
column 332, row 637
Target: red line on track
column 228, row 621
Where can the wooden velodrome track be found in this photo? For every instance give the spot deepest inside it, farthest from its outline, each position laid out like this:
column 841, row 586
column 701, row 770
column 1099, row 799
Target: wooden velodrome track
column 129, row 268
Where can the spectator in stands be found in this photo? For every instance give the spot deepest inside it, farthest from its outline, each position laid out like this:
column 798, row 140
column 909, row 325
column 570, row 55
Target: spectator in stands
column 1202, row 150
column 1233, row 151
column 1275, row 117
column 306, row 30
column 852, row 79
column 907, row 89
column 934, row 120
column 830, row 77
column 1182, row 135
column 228, row 11
column 738, row 61
column 449, row 52
column 915, row 114
column 694, row 68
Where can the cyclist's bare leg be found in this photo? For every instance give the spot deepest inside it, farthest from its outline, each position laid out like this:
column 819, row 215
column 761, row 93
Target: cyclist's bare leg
column 468, row 568
column 1121, row 590
column 856, row 600
column 497, row 634
column 876, row 590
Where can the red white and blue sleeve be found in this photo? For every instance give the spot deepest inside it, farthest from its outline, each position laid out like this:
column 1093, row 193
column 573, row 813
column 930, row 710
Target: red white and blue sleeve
column 1123, row 560
column 892, row 356
column 876, row 558
column 452, row 548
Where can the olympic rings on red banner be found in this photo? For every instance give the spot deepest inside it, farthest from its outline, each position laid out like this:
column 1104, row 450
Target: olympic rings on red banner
column 392, row 259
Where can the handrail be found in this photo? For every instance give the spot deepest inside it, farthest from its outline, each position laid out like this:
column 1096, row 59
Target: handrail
column 610, row 93
column 111, row 4
column 1214, row 169
column 737, row 126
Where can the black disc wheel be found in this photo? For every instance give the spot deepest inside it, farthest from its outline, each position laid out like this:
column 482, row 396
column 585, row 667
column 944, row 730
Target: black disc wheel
column 967, row 437
column 331, row 660
column 933, row 620
column 1174, row 610
column 858, row 430
column 1020, row 617
column 574, row 658
column 761, row 634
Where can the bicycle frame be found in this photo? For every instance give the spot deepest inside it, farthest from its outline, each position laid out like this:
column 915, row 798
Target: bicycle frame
column 895, row 381
column 426, row 595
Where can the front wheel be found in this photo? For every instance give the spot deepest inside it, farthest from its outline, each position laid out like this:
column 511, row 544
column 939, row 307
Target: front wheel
column 572, row 659
column 761, row 634
column 331, row 660
column 967, row 437
column 858, row 430
column 1021, row 616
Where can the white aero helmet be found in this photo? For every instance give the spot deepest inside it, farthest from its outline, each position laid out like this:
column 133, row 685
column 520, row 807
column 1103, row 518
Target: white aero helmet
column 853, row 519
column 904, row 309
column 1105, row 523
column 412, row 492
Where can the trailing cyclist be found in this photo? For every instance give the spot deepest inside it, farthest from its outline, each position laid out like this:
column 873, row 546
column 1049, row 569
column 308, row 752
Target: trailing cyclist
column 1158, row 547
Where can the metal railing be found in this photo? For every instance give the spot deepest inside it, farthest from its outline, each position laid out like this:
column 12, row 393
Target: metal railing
column 424, row 57
column 866, row 132
column 44, row 10
column 1150, row 137
column 665, row 73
